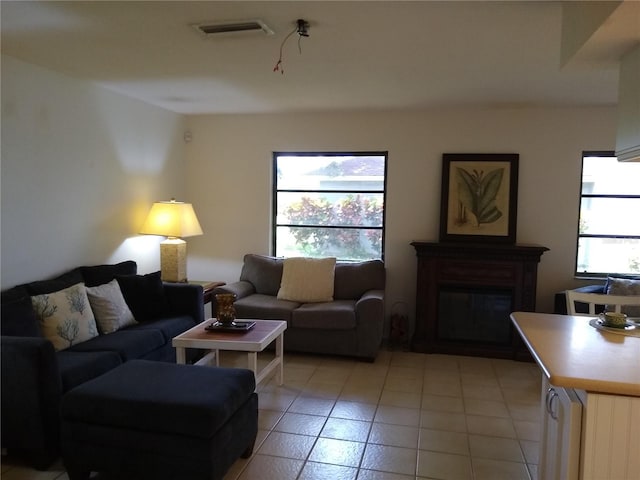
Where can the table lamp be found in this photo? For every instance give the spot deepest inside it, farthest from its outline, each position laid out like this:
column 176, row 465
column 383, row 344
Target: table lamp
column 173, row 220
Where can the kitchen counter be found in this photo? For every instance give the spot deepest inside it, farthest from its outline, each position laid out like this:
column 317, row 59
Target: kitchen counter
column 573, row 354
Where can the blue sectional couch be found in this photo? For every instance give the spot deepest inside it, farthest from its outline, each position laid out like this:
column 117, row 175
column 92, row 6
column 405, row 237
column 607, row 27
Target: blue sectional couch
column 35, row 374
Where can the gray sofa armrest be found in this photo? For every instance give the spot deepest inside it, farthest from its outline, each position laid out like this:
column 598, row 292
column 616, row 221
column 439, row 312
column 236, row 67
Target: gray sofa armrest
column 370, row 318
column 31, row 393
column 240, row 289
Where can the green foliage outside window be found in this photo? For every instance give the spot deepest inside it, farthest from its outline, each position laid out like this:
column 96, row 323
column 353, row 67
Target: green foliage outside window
column 353, row 210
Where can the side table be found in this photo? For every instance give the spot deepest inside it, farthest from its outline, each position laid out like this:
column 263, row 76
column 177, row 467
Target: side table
column 208, row 286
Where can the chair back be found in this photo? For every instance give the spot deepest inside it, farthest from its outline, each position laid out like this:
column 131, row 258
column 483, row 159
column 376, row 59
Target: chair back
column 612, row 303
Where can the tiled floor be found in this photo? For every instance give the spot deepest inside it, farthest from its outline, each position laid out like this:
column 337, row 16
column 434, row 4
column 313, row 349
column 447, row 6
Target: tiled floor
column 406, row 416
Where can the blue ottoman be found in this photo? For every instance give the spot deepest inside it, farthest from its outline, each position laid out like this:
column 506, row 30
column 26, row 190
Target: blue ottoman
column 158, row 420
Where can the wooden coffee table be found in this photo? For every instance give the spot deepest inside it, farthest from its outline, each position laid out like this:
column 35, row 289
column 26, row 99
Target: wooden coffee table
column 253, row 341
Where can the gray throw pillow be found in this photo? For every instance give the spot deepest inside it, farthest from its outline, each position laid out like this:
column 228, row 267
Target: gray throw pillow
column 625, row 286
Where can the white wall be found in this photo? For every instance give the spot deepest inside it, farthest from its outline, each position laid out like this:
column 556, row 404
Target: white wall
column 229, row 179
column 80, row 168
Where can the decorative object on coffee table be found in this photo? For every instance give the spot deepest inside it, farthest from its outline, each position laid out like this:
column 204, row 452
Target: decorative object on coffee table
column 479, row 197
column 225, row 313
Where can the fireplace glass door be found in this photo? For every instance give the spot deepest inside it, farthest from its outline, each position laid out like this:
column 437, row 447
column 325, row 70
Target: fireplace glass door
column 474, row 315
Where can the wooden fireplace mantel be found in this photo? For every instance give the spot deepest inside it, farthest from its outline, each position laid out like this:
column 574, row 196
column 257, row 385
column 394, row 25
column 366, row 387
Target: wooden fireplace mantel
column 473, row 266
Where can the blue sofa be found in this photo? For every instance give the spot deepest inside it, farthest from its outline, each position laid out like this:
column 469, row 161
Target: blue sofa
column 35, row 376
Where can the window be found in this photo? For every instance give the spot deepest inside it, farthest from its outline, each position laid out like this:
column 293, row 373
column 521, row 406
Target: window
column 329, row 204
column 609, row 223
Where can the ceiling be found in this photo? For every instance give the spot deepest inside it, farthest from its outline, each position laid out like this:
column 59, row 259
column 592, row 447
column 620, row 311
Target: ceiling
column 359, row 55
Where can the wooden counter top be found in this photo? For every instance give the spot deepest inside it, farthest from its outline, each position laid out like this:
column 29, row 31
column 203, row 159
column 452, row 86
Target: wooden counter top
column 573, row 354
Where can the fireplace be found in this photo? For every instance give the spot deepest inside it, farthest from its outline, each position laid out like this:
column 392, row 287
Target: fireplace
column 465, row 293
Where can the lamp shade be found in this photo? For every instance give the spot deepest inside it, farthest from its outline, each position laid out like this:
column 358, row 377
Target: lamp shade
column 172, row 219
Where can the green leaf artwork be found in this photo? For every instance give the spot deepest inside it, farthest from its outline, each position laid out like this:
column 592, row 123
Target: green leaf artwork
column 477, row 194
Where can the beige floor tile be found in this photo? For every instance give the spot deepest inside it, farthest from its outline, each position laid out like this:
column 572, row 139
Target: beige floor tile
column 445, row 442
column 492, row 426
column 533, row 471
column 301, row 424
column 441, row 403
column 394, row 435
column 326, row 471
column 377, row 475
column 441, row 363
column 400, row 399
column 451, row 387
column 275, row 401
column 408, row 359
column 479, row 380
column 298, row 373
column 486, row 469
column 495, row 448
column 390, row 459
column 397, row 415
column 267, row 419
column 531, row 451
column 482, row 392
column 403, row 384
column 289, row 445
column 450, row 422
column 337, row 452
column 344, row 429
column 527, row 430
column 322, row 390
column 312, row 406
column 528, row 394
column 354, row 410
column 411, row 373
column 334, row 375
column 356, row 393
column 491, row 408
column 444, row 466
column 525, row 411
column 263, row 467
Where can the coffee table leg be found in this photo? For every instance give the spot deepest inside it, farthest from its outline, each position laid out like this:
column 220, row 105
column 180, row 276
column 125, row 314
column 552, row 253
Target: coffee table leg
column 180, row 356
column 280, row 357
column 253, row 363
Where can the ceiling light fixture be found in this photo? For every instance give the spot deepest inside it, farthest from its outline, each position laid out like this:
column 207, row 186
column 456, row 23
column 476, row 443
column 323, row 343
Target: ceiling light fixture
column 302, row 29
column 208, row 29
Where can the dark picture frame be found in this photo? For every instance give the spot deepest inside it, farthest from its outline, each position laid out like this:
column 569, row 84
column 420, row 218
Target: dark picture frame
column 479, row 197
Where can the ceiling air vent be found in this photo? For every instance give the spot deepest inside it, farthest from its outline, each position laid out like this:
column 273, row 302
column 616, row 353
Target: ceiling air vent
column 209, row 29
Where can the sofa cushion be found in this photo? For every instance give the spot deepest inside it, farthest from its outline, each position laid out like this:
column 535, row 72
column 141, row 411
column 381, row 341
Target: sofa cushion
column 66, row 280
column 79, row 367
column 161, row 397
column 338, row 315
column 265, row 273
column 109, row 308
column 264, row 307
column 625, row 286
column 100, row 274
column 18, row 318
column 307, row 279
column 65, row 316
column 144, row 294
column 169, row 327
column 352, row 280
column 129, row 344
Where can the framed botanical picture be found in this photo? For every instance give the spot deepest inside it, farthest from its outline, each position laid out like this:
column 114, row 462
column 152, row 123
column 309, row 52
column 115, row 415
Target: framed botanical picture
column 479, row 197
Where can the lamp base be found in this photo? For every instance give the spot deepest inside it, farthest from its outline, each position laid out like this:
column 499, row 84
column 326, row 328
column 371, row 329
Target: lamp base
column 173, row 260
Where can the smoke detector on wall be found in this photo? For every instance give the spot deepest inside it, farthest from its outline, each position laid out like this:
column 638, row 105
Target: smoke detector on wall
column 210, row 29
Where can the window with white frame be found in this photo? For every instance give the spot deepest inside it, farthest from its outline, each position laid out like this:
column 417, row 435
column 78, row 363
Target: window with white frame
column 609, row 222
column 329, row 205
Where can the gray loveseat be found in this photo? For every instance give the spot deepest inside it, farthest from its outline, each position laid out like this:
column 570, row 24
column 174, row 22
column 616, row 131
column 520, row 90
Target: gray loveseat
column 351, row 324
